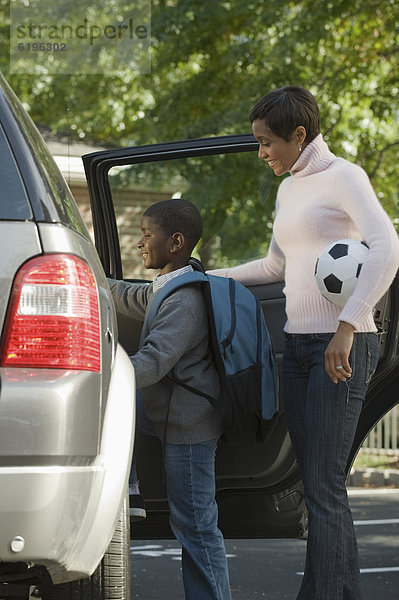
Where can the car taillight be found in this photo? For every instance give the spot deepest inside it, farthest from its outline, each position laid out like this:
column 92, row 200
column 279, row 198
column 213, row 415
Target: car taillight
column 53, row 317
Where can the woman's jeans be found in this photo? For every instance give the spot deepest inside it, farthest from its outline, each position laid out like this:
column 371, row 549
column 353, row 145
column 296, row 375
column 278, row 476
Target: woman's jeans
column 322, row 419
column 190, row 480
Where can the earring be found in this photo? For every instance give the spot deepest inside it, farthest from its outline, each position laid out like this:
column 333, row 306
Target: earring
column 300, row 147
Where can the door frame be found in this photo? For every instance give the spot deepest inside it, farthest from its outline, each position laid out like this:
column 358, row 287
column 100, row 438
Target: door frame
column 382, row 393
column 98, row 164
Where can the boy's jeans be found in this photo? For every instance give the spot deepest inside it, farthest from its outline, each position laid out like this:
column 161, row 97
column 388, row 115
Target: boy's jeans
column 190, row 478
column 322, row 419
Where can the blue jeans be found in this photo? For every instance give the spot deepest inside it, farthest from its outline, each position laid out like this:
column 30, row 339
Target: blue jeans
column 322, row 418
column 190, row 483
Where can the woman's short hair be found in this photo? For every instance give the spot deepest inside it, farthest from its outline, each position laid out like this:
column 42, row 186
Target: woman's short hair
column 177, row 215
column 284, row 109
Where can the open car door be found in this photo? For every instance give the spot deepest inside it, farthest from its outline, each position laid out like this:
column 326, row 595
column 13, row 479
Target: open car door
column 259, row 490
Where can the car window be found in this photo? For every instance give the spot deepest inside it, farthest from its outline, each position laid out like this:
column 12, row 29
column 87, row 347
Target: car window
column 61, row 197
column 13, row 201
column 234, row 192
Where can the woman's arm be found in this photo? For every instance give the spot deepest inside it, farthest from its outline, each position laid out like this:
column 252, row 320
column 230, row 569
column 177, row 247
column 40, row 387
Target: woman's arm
column 359, row 201
column 269, row 269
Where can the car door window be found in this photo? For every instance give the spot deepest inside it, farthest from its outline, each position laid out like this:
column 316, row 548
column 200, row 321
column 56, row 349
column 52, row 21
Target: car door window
column 234, row 193
column 13, row 201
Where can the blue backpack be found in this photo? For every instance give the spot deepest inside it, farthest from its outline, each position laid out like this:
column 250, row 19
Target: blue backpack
column 241, row 348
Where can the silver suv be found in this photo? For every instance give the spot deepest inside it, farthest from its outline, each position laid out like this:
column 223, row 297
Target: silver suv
column 66, row 412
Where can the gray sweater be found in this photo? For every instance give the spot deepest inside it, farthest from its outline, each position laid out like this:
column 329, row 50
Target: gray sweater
column 178, row 342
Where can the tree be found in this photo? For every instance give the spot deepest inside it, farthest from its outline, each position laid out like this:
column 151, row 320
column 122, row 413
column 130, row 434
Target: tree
column 212, row 60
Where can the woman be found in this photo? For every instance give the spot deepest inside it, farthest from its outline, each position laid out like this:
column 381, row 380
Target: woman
column 331, row 352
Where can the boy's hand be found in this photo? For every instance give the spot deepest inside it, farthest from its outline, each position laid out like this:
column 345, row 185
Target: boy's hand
column 337, row 354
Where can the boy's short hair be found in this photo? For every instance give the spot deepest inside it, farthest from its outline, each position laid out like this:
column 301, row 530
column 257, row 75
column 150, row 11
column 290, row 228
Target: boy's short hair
column 284, row 109
column 177, row 215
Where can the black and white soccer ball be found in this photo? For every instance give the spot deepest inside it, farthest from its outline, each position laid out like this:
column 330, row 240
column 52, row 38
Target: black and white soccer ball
column 338, row 267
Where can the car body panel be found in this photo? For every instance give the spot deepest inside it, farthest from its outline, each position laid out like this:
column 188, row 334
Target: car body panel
column 12, row 256
column 56, row 237
column 66, row 514
column 43, row 419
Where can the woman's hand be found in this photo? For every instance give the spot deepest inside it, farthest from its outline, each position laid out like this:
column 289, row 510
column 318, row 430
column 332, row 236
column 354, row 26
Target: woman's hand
column 337, row 354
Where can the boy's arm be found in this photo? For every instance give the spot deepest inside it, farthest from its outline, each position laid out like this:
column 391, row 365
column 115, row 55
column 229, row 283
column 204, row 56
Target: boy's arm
column 130, row 299
column 174, row 332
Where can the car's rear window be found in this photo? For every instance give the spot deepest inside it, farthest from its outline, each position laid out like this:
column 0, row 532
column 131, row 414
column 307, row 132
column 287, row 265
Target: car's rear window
column 61, row 198
column 13, row 201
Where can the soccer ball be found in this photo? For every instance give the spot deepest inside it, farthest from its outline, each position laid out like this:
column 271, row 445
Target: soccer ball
column 338, row 267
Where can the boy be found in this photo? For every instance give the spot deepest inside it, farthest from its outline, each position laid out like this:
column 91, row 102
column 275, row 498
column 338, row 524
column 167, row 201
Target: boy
column 177, row 341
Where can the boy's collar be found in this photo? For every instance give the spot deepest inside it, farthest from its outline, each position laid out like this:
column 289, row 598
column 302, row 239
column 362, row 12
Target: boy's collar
column 162, row 279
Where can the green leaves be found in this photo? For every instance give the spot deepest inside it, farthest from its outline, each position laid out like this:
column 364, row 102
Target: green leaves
column 210, row 62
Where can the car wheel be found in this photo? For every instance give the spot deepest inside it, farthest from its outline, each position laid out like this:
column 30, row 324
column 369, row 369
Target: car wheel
column 111, row 579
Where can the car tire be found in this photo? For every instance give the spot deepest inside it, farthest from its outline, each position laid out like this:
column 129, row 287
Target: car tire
column 111, row 579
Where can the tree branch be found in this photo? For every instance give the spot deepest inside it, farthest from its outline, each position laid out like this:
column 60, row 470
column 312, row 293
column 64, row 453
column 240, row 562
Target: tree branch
column 381, row 153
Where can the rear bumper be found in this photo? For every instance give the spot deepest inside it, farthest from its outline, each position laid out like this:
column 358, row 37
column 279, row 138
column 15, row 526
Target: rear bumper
column 63, row 517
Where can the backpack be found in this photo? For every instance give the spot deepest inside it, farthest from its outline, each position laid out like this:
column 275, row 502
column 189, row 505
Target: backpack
column 242, row 351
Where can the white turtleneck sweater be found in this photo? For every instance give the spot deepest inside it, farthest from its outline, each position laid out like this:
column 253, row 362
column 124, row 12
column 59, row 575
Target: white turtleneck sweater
column 326, row 198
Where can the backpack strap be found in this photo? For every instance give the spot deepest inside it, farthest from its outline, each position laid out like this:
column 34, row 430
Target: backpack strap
column 169, row 287
column 190, row 388
column 153, row 308
column 152, row 311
